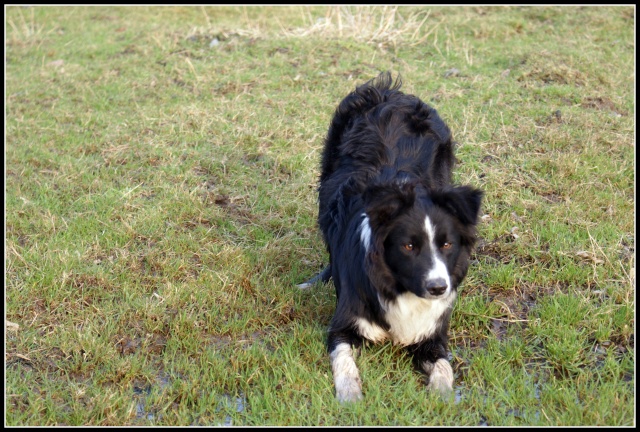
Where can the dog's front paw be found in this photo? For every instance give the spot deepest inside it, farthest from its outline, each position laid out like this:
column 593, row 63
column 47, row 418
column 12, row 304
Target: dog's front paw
column 441, row 379
column 345, row 374
column 348, row 389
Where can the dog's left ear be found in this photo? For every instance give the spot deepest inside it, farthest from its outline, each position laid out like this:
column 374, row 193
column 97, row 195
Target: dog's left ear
column 426, row 119
column 463, row 202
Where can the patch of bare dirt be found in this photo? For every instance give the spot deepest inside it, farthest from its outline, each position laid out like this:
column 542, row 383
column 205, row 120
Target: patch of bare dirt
column 602, row 104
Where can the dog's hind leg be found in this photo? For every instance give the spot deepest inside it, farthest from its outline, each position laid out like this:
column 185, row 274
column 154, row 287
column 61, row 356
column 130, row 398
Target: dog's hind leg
column 323, row 277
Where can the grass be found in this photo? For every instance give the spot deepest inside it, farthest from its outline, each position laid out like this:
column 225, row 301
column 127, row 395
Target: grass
column 160, row 175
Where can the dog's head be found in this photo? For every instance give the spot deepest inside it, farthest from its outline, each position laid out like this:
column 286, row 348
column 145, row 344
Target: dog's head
column 418, row 240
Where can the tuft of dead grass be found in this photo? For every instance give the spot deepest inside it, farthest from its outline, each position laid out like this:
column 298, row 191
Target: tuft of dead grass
column 365, row 24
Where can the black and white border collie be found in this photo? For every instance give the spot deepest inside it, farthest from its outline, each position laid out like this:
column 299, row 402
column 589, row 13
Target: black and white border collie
column 398, row 233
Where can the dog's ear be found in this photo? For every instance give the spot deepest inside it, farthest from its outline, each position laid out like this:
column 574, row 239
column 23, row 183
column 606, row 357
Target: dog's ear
column 425, row 119
column 378, row 271
column 463, row 202
column 384, row 202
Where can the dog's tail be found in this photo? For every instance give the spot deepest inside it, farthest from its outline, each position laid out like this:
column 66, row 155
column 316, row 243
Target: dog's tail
column 323, row 276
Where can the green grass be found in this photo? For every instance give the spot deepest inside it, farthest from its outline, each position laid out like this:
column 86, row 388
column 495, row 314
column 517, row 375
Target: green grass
column 161, row 203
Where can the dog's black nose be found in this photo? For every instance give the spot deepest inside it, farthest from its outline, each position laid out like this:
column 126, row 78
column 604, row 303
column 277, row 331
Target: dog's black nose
column 436, row 287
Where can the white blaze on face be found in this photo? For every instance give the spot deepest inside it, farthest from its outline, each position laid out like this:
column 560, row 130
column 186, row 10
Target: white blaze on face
column 439, row 269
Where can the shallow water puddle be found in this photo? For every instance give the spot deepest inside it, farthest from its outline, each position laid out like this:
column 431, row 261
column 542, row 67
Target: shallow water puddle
column 141, row 394
column 226, row 400
column 459, row 391
column 141, row 411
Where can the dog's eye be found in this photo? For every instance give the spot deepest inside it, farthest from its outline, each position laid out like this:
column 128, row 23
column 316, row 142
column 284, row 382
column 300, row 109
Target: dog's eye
column 408, row 247
column 446, row 245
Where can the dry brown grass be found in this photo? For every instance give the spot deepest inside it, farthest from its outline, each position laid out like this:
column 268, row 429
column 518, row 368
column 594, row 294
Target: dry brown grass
column 368, row 24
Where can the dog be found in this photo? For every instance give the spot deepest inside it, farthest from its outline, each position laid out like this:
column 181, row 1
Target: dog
column 398, row 233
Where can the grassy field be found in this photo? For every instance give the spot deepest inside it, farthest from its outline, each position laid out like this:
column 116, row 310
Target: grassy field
column 160, row 192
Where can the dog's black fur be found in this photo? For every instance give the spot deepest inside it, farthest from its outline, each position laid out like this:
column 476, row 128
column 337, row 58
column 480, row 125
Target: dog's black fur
column 398, row 233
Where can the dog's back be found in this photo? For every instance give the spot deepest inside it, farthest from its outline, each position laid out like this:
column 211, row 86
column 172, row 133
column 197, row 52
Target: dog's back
column 377, row 125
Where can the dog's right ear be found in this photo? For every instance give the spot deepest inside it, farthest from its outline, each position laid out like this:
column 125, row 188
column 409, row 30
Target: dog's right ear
column 384, row 202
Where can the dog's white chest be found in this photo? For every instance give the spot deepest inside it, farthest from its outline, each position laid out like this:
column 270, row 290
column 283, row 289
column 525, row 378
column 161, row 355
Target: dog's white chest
column 411, row 319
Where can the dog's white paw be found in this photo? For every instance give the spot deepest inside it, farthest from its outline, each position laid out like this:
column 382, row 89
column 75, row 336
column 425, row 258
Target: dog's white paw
column 304, row 285
column 348, row 389
column 346, row 376
column 441, row 378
